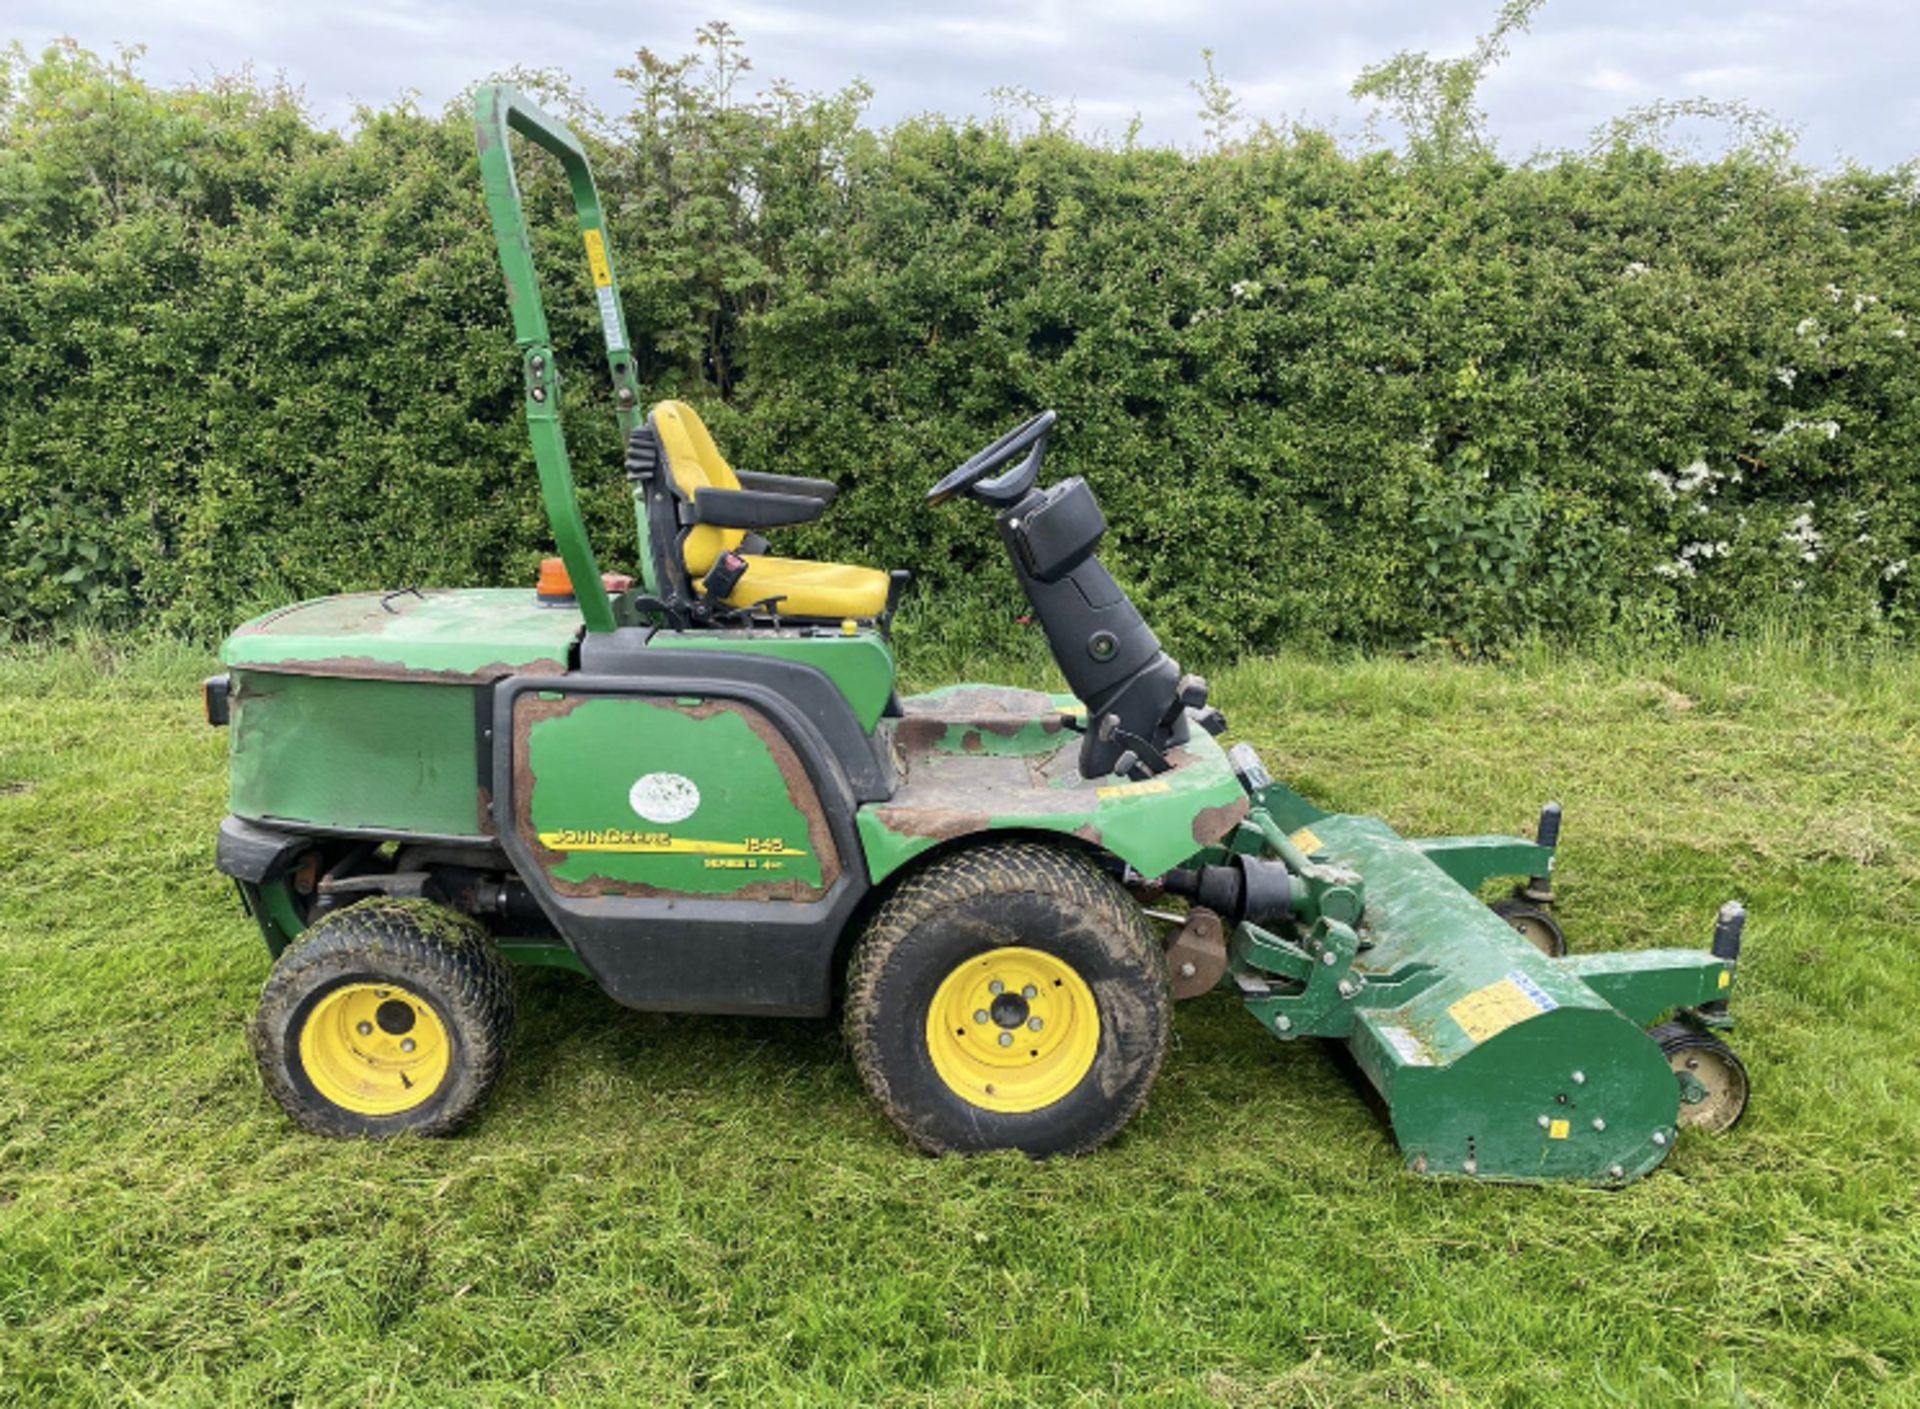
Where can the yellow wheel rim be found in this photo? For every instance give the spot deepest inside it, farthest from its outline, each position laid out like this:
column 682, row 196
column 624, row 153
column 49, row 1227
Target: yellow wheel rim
column 1013, row 1030
column 375, row 1048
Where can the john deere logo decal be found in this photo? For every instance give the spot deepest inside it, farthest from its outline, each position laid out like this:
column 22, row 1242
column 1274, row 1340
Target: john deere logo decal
column 664, row 798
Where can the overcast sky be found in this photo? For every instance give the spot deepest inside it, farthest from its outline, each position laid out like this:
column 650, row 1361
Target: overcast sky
column 1841, row 70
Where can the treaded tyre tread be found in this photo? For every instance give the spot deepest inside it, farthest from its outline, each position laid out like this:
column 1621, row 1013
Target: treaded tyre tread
column 1007, row 894
column 442, row 956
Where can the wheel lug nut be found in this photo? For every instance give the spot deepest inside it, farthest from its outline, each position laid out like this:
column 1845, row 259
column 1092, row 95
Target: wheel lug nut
column 996, row 987
column 1006, row 1039
column 365, row 1029
column 979, row 1015
column 1034, row 1024
column 406, row 1044
column 1029, row 992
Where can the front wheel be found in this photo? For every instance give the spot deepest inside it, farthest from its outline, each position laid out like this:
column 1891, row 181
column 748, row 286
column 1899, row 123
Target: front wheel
column 1011, row 997
column 388, row 1017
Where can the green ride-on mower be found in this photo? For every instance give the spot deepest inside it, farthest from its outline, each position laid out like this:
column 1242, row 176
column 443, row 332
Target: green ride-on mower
column 702, row 791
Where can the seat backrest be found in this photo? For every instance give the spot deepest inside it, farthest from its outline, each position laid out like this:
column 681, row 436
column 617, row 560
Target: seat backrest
column 696, row 463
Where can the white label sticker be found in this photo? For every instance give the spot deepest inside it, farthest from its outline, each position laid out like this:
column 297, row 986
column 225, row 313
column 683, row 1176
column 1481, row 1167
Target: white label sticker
column 610, row 320
column 664, row 798
column 1411, row 1049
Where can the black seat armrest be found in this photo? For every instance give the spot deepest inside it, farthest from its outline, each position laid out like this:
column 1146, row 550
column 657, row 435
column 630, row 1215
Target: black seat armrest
column 821, row 489
column 750, row 508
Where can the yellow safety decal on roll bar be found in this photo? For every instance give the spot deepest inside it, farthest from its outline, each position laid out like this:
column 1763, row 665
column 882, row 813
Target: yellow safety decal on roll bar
column 1726, row 978
column 1559, row 1130
column 1307, row 841
column 597, row 258
column 1145, row 785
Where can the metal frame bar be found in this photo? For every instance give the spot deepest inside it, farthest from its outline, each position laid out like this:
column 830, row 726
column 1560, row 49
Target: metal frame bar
column 499, row 108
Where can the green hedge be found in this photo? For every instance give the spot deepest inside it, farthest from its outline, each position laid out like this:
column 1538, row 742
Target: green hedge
column 1323, row 396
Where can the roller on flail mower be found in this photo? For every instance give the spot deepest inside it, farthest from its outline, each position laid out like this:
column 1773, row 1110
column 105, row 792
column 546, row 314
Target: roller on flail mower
column 702, row 791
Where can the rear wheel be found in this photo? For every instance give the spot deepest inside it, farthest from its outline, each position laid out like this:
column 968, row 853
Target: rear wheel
column 1713, row 1081
column 390, row 1016
column 1008, row 998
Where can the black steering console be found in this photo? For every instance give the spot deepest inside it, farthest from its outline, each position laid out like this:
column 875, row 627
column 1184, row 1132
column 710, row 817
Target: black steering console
column 1139, row 706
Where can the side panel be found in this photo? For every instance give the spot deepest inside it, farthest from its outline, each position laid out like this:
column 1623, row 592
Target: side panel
column 652, row 795
column 691, row 836
column 351, row 755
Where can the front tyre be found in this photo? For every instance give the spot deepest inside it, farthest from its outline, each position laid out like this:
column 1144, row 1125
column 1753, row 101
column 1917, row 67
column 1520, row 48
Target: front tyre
column 388, row 1017
column 1010, row 997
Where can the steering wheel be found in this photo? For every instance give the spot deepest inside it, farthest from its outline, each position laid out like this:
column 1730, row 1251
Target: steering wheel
column 971, row 478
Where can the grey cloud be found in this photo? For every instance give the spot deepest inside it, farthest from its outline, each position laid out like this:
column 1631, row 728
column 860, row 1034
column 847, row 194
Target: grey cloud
column 1836, row 70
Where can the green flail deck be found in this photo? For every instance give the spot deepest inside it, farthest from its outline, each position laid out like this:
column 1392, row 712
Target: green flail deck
column 1494, row 1060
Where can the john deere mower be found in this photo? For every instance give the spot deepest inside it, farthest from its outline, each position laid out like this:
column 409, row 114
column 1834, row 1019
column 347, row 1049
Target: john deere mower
column 700, row 789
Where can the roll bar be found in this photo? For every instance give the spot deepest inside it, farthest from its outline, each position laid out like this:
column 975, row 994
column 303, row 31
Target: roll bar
column 498, row 108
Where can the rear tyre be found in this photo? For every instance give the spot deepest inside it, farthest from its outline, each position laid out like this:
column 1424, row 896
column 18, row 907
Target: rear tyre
column 1011, row 997
column 388, row 1017
column 1535, row 925
column 1713, row 1081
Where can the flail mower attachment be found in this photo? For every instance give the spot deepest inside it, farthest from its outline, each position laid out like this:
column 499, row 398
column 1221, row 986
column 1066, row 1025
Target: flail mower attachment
column 1497, row 1056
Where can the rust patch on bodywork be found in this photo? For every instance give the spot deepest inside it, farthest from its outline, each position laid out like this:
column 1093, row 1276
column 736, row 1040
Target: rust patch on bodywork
column 531, row 710
column 933, row 823
column 1212, row 823
column 367, row 668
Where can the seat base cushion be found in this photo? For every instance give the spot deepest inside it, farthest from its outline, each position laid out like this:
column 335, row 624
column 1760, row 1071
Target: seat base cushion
column 829, row 590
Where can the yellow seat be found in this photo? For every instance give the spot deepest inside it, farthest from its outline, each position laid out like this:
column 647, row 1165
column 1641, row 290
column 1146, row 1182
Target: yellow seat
column 809, row 588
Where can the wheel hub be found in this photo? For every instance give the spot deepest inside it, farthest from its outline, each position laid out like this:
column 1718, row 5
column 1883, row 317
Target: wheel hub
column 1013, row 1030
column 374, row 1049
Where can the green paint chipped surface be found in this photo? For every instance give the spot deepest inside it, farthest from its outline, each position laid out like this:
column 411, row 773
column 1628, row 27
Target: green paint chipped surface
column 470, row 633
column 860, row 665
column 1029, row 780
column 722, row 818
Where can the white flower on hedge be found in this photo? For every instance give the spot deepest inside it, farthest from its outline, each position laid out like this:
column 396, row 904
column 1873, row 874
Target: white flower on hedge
column 1247, row 288
column 1661, row 482
column 1634, row 270
column 1806, row 327
column 1694, row 476
column 1679, row 567
column 1894, row 569
column 1834, row 291
column 1829, row 429
column 1804, row 537
column 1785, row 376
column 1705, row 550
column 1797, row 584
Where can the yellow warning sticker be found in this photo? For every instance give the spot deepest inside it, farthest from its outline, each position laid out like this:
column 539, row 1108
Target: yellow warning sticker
column 1726, row 978
column 1145, row 785
column 1559, row 1130
column 1307, row 841
column 1488, row 1011
column 597, row 258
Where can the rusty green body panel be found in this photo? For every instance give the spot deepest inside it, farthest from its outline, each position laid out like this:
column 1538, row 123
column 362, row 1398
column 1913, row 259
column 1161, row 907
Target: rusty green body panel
column 658, row 796
column 860, row 665
column 355, row 755
column 954, row 783
column 456, row 635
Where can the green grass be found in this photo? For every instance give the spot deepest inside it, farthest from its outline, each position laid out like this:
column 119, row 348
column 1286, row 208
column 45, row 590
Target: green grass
column 663, row 1209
